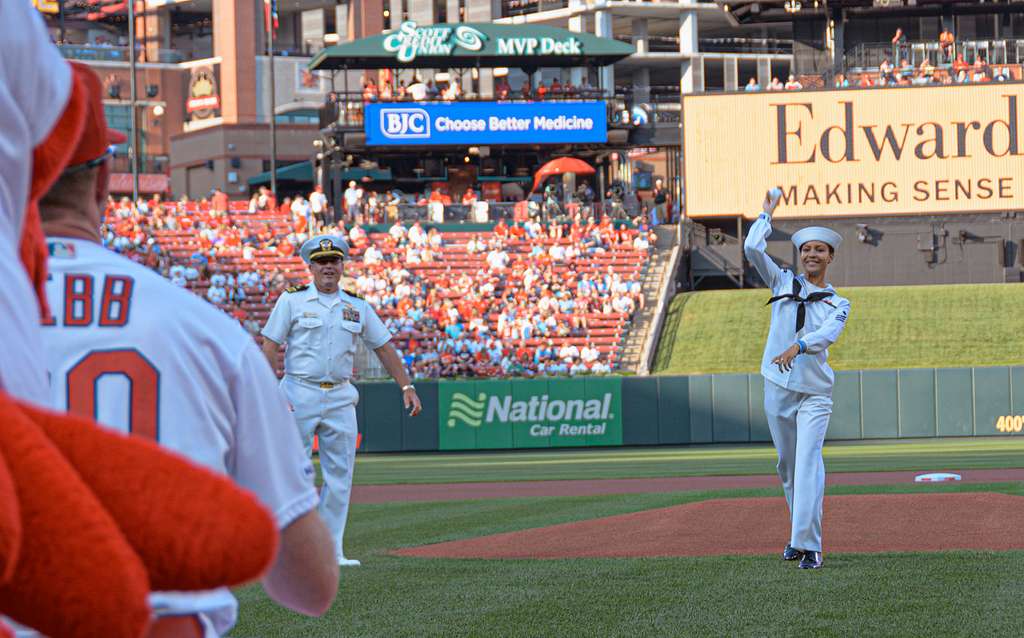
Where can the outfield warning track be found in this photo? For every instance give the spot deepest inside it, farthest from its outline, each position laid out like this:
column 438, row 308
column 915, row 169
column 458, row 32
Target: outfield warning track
column 597, row 487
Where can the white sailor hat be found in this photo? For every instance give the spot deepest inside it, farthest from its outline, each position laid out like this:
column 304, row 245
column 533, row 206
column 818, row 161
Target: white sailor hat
column 324, row 246
column 817, row 233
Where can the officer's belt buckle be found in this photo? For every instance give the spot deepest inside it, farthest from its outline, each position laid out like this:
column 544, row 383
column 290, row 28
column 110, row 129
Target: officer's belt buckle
column 326, row 385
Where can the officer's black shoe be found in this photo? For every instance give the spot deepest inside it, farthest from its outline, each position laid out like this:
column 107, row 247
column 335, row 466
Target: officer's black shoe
column 791, row 554
column 811, row 560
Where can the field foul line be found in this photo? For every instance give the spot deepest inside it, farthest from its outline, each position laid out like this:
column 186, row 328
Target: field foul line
column 625, row 457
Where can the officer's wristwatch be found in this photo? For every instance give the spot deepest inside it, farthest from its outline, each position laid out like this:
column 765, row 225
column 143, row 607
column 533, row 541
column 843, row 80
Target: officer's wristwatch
column 406, row 388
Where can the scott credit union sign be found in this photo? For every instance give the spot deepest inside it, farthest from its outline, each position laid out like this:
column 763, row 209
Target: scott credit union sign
column 411, row 41
column 857, row 152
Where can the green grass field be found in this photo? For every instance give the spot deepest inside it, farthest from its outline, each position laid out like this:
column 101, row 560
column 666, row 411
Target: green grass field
column 889, row 327
column 943, row 594
column 866, row 456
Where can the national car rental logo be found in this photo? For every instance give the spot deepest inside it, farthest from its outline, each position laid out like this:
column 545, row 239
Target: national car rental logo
column 465, row 409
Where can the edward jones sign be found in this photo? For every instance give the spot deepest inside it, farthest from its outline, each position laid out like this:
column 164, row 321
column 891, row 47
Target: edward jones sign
column 931, row 150
column 477, row 415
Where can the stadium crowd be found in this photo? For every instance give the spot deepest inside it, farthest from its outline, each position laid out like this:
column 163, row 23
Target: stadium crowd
column 945, row 62
column 450, row 89
column 524, row 299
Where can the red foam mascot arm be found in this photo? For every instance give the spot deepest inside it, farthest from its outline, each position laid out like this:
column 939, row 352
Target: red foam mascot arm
column 10, row 526
column 75, row 574
column 192, row 528
column 107, row 517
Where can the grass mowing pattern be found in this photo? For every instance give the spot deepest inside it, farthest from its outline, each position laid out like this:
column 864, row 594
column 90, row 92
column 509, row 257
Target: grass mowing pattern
column 947, row 594
column 723, row 460
column 889, row 327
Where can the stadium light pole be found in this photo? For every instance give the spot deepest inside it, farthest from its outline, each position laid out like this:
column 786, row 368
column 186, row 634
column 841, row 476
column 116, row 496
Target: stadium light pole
column 273, row 100
column 133, row 154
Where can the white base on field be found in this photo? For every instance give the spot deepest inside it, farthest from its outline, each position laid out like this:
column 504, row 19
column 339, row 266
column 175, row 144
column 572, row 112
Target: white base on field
column 936, row 477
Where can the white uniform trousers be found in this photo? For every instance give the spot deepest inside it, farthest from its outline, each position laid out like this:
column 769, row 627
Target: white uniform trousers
column 798, row 423
column 331, row 415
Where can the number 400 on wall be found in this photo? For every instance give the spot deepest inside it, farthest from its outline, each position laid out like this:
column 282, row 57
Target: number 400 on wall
column 1010, row 424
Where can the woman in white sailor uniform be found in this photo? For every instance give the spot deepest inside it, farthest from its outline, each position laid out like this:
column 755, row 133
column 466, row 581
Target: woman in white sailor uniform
column 807, row 317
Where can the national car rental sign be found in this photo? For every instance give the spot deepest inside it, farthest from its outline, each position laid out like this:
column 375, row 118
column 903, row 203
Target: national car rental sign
column 477, row 415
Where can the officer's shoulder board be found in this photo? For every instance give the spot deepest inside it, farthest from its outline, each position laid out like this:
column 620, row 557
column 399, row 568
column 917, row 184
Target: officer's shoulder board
column 352, row 293
column 296, row 288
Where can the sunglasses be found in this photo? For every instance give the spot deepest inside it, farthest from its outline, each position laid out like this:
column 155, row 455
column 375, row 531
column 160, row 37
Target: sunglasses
column 93, row 163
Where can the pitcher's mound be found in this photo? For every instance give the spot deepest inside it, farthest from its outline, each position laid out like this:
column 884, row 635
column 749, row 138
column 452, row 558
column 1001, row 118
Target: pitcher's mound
column 859, row 523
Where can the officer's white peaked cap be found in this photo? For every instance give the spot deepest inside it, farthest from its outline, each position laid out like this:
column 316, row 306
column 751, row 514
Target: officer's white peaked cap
column 323, row 246
column 817, row 233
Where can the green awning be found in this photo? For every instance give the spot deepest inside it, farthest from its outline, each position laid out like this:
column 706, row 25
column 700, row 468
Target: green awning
column 299, row 172
column 368, row 174
column 467, row 45
column 303, row 172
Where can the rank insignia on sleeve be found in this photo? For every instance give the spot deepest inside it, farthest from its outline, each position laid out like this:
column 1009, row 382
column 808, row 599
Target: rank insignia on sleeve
column 348, row 313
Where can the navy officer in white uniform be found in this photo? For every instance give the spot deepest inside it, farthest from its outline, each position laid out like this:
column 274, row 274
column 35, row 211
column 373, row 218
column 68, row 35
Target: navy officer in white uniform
column 321, row 325
column 807, row 317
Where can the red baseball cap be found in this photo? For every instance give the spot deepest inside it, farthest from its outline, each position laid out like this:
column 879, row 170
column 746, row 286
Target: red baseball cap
column 96, row 138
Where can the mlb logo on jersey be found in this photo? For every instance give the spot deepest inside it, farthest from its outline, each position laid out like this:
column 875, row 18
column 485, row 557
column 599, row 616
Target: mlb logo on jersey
column 60, row 250
column 348, row 313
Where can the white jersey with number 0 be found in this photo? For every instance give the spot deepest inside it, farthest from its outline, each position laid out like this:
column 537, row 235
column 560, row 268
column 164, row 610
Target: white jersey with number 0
column 143, row 356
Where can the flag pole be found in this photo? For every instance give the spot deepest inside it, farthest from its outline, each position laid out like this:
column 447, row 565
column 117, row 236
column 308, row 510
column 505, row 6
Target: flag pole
column 273, row 120
column 134, row 143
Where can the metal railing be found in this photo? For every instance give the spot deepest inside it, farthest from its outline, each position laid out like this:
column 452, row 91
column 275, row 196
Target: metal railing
column 869, row 55
column 670, row 44
column 345, row 110
column 510, row 8
column 117, row 54
column 147, row 164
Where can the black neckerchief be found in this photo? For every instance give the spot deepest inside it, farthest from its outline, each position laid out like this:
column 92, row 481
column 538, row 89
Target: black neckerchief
column 801, row 310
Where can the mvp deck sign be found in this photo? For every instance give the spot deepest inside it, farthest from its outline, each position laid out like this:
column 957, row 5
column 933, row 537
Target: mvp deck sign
column 411, row 41
column 477, row 415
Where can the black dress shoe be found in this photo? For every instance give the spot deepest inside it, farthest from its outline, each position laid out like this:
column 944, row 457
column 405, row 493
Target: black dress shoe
column 791, row 554
column 811, row 560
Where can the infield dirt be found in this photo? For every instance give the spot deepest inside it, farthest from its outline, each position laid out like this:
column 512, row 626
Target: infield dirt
column 854, row 523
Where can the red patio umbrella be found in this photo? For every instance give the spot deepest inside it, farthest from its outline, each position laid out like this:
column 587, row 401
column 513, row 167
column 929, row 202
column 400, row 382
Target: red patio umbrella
column 559, row 166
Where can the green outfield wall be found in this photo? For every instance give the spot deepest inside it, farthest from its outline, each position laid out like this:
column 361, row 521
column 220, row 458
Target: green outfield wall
column 677, row 410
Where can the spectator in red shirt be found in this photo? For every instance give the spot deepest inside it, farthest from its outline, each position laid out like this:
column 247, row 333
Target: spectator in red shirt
column 285, row 248
column 946, row 42
column 219, row 204
column 501, row 229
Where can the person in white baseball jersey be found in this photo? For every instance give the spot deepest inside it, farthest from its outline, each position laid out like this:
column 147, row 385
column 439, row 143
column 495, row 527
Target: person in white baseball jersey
column 321, row 325
column 807, row 317
column 35, row 83
column 318, row 204
column 138, row 354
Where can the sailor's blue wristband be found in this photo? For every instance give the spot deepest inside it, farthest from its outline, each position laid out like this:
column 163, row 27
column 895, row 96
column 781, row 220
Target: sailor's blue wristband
column 802, row 345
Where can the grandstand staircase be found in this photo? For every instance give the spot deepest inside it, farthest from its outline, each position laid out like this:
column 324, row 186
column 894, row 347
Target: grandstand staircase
column 658, row 282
